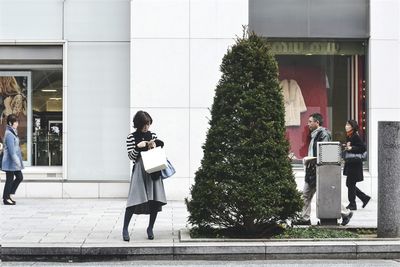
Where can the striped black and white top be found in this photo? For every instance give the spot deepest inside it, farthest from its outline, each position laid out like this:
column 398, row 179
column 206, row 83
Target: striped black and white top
column 135, row 138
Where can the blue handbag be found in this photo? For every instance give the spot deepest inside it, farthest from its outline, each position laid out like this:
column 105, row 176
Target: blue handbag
column 168, row 172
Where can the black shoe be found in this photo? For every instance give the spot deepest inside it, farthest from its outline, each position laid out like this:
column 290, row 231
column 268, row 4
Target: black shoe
column 8, row 202
column 150, row 234
column 301, row 222
column 351, row 207
column 346, row 218
column 365, row 202
column 15, row 202
column 125, row 235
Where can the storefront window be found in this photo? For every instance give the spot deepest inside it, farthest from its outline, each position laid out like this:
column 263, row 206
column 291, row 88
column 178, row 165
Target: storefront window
column 47, row 117
column 31, row 87
column 35, row 96
column 327, row 77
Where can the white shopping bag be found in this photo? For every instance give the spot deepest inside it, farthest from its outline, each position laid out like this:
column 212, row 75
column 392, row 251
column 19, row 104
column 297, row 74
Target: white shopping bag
column 154, row 160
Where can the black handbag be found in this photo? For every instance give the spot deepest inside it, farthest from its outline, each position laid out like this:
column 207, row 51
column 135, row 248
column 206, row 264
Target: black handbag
column 311, row 173
column 354, row 157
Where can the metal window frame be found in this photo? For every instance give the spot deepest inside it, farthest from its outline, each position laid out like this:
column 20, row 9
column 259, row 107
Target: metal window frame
column 64, row 44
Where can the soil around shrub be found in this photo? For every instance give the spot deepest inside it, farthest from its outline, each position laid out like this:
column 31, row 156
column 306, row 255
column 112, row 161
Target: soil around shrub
column 284, row 232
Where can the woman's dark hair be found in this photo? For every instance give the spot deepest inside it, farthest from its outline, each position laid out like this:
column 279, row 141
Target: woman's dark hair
column 140, row 119
column 353, row 124
column 11, row 119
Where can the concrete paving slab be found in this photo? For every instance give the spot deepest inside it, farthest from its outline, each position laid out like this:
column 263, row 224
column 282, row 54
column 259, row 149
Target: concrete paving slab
column 41, row 249
column 314, row 247
column 128, row 249
column 91, row 229
column 220, row 248
column 378, row 246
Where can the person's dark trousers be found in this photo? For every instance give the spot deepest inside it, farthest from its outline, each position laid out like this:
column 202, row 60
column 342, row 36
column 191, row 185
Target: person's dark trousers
column 12, row 184
column 354, row 191
column 129, row 214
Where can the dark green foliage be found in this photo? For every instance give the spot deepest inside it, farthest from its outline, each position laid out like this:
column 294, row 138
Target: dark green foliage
column 279, row 232
column 245, row 181
column 270, row 232
column 316, row 233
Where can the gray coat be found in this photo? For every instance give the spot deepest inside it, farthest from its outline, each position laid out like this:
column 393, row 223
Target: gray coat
column 12, row 157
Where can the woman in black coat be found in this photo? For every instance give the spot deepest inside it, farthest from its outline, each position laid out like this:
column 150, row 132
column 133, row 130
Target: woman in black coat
column 354, row 169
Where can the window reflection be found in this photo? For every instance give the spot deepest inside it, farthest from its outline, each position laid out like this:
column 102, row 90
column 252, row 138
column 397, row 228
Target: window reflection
column 47, row 117
column 13, row 100
column 327, row 77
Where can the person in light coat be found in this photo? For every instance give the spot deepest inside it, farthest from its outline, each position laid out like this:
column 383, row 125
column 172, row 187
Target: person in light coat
column 12, row 160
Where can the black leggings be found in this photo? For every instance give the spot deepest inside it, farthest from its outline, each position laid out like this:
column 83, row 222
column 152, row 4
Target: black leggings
column 12, row 184
column 130, row 211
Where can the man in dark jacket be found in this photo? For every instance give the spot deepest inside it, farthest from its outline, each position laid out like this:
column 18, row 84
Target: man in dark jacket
column 318, row 134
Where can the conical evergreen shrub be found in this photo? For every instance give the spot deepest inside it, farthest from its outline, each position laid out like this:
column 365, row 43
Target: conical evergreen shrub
column 245, row 181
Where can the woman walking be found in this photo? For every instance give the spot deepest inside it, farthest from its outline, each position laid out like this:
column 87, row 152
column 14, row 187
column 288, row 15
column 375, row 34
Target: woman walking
column 354, row 169
column 12, row 160
column 146, row 192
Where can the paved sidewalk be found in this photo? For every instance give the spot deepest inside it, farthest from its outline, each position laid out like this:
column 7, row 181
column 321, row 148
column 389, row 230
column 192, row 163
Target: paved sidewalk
column 100, row 220
column 85, row 221
column 85, row 229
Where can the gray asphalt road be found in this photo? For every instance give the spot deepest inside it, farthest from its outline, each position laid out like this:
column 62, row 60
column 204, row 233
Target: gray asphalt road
column 281, row 263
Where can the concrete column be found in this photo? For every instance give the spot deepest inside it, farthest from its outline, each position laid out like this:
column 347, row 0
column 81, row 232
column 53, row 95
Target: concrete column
column 388, row 179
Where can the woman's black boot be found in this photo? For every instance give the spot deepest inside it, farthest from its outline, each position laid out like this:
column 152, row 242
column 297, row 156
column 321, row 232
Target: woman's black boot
column 127, row 220
column 150, row 234
column 125, row 235
column 8, row 201
column 152, row 220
